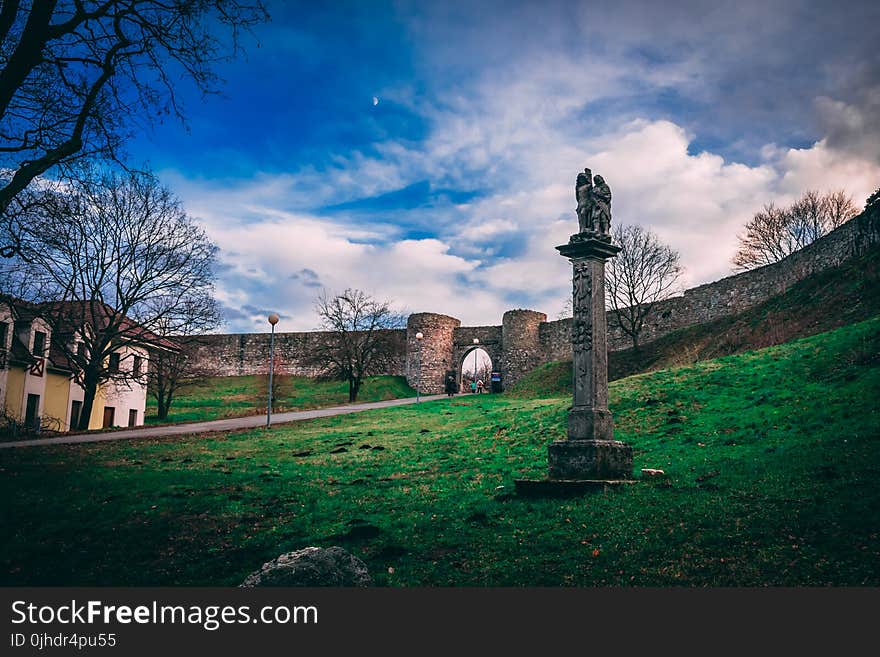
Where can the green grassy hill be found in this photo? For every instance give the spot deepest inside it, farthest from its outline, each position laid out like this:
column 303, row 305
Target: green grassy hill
column 829, row 299
column 234, row 396
column 773, row 459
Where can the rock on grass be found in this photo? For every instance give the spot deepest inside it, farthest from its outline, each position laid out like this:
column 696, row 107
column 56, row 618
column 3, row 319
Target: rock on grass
column 311, row 566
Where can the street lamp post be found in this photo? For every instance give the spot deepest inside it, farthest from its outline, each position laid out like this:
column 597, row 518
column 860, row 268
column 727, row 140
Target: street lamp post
column 273, row 320
column 476, row 341
column 419, row 337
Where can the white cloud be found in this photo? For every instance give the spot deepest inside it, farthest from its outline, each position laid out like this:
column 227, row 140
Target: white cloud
column 263, row 259
column 483, row 230
column 519, row 138
column 823, row 168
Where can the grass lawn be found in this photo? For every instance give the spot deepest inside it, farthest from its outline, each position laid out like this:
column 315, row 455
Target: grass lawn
column 773, row 459
column 234, row 396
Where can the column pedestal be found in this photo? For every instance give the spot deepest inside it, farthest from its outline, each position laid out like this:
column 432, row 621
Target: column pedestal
column 589, row 459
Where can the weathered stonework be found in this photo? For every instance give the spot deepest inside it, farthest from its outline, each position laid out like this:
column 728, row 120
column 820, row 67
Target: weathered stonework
column 241, row 354
column 590, row 452
column 589, row 459
column 521, row 344
column 434, row 351
column 525, row 339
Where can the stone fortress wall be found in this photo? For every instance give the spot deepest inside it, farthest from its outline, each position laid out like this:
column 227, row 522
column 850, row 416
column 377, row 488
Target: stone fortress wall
column 733, row 294
column 241, row 354
column 525, row 339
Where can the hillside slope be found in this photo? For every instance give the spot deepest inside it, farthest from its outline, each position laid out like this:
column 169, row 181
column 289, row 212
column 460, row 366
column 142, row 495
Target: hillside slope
column 829, row 299
column 773, row 459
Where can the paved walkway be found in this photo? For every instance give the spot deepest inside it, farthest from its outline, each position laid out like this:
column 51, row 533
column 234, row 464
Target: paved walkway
column 215, row 425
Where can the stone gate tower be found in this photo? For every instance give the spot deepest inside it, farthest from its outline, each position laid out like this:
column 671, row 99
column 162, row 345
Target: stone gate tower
column 434, row 350
column 521, row 343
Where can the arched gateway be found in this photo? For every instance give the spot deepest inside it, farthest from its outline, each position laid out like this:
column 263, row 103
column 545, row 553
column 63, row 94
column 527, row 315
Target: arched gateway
column 514, row 347
column 475, row 370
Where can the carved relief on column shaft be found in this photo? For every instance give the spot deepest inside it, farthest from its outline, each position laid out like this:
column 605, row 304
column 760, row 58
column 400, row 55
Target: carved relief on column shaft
column 581, row 335
column 582, row 283
column 582, row 330
column 582, row 297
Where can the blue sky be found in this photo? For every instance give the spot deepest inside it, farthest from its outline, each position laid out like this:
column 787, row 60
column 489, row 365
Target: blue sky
column 449, row 191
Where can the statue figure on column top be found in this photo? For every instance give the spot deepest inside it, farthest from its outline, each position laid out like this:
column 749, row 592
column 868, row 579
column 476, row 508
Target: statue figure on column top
column 582, row 192
column 600, row 205
column 593, row 205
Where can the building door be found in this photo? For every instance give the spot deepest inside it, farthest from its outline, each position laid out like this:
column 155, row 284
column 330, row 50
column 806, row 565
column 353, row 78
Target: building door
column 75, row 410
column 109, row 412
column 31, row 420
column 132, row 418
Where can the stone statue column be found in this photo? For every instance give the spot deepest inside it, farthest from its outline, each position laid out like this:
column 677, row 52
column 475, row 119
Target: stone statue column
column 590, row 452
column 590, row 418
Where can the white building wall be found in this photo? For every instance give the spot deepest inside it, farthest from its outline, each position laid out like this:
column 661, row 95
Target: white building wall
column 129, row 395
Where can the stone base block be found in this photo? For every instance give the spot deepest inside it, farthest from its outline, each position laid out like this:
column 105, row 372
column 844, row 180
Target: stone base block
column 590, row 424
column 566, row 487
column 590, row 459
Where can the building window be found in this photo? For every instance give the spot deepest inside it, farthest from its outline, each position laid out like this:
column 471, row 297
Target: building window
column 39, row 349
column 132, row 418
column 113, row 365
column 136, row 365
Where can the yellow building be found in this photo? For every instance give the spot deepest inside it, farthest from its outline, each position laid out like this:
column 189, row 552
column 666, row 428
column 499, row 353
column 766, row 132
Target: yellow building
column 24, row 339
column 39, row 386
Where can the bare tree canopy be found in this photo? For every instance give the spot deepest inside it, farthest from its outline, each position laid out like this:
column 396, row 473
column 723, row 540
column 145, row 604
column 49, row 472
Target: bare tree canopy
column 174, row 370
column 78, row 75
column 644, row 272
column 358, row 342
column 115, row 263
column 774, row 232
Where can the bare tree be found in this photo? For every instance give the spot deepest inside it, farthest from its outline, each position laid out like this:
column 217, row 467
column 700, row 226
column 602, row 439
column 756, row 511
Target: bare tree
column 172, row 371
column 115, row 263
column 774, row 233
column 644, row 272
column 767, row 239
column 79, row 75
column 358, row 342
column 806, row 218
column 485, row 374
column 839, row 208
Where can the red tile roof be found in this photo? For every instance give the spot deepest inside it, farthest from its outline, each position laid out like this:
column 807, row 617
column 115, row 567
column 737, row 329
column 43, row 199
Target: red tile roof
column 71, row 316
column 75, row 314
